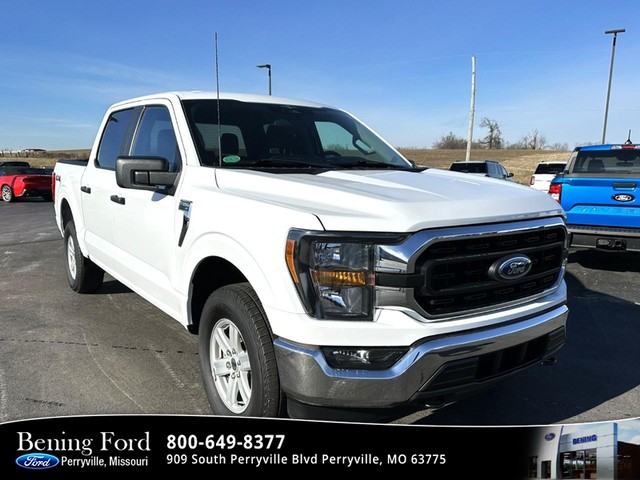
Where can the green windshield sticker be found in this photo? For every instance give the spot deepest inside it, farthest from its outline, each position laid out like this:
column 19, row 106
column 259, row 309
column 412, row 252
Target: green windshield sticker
column 231, row 159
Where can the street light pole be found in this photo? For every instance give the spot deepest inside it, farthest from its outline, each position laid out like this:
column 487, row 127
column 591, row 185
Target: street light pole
column 613, row 53
column 268, row 67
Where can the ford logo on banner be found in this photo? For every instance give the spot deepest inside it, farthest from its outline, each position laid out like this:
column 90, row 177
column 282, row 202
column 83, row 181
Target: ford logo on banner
column 510, row 268
column 623, row 197
column 549, row 436
column 37, row 461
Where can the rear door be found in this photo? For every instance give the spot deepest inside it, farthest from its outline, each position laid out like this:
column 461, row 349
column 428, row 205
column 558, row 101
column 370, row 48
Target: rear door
column 98, row 184
column 602, row 189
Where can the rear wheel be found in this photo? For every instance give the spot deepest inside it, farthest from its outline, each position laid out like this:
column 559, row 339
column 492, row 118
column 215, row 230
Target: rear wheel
column 83, row 275
column 236, row 355
column 7, row 193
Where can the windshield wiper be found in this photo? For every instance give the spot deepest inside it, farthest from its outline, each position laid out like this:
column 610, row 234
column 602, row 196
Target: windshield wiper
column 359, row 162
column 287, row 162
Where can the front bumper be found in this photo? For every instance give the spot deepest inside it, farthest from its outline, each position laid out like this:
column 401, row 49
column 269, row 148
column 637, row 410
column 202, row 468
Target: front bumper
column 434, row 371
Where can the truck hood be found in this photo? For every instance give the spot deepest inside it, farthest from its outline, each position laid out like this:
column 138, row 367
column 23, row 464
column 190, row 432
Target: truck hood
column 392, row 201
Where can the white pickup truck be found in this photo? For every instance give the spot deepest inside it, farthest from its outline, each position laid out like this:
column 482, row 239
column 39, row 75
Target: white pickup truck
column 318, row 266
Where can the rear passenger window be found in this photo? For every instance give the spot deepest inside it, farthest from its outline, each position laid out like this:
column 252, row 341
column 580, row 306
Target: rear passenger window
column 112, row 143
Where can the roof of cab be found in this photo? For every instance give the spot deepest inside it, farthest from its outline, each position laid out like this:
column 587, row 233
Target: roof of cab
column 610, row 146
column 242, row 97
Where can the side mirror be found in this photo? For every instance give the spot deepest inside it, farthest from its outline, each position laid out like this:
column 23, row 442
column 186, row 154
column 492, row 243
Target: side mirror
column 510, row 174
column 145, row 173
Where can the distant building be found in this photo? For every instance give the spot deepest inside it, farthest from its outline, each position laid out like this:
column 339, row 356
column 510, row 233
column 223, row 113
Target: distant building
column 589, row 452
column 32, row 152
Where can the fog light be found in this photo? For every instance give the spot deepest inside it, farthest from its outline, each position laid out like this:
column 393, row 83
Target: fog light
column 373, row 358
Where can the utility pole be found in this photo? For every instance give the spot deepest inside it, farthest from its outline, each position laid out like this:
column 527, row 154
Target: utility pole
column 472, row 109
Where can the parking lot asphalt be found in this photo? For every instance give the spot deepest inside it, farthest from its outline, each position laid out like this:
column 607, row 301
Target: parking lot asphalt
column 67, row 354
column 112, row 352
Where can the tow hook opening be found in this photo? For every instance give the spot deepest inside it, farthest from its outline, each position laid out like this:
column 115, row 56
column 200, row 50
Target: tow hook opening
column 611, row 244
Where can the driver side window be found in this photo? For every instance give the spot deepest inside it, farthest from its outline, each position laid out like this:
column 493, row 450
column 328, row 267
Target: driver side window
column 335, row 138
column 156, row 137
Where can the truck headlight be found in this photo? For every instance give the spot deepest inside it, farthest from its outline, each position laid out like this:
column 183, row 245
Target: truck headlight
column 334, row 273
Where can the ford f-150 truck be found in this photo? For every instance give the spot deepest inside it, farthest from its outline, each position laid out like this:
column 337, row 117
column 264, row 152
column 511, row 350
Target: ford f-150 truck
column 318, row 266
column 599, row 192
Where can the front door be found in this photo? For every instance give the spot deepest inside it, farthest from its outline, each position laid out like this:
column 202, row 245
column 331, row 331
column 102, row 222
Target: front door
column 147, row 223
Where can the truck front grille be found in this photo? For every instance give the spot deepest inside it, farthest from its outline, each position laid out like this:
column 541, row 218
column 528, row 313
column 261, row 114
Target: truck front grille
column 456, row 270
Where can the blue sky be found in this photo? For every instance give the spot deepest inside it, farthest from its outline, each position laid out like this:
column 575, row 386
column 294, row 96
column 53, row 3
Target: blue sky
column 402, row 66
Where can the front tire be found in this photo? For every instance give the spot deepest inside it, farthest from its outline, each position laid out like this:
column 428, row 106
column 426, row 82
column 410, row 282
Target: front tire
column 83, row 275
column 7, row 193
column 237, row 357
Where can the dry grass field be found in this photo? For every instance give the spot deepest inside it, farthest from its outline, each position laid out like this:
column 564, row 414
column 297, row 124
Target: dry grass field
column 49, row 158
column 521, row 162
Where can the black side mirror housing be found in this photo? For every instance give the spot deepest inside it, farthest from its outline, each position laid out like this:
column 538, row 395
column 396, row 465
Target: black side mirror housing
column 145, row 173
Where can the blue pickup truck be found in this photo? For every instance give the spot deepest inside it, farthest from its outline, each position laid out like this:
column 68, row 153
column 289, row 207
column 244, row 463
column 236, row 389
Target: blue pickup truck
column 599, row 191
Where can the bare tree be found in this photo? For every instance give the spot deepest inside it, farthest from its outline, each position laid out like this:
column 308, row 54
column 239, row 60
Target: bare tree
column 561, row 147
column 494, row 137
column 450, row 142
column 535, row 140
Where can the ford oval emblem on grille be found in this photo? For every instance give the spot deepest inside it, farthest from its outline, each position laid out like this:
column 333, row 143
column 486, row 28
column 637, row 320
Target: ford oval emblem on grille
column 510, row 268
column 623, row 197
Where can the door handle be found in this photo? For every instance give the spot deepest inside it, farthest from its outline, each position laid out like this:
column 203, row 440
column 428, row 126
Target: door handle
column 624, row 185
column 117, row 199
column 85, row 189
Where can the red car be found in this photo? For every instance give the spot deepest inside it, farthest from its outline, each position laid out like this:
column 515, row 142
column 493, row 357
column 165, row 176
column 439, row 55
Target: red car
column 20, row 182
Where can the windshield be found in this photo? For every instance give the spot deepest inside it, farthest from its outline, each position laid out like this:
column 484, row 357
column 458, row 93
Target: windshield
column 259, row 135
column 608, row 162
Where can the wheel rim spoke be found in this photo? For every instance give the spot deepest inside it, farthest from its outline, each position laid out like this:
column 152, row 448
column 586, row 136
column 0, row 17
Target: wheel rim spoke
column 243, row 361
column 222, row 340
column 233, row 340
column 244, row 388
column 232, row 391
column 221, row 368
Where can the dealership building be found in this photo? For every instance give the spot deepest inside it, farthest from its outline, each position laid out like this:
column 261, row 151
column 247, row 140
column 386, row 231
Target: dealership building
column 583, row 451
